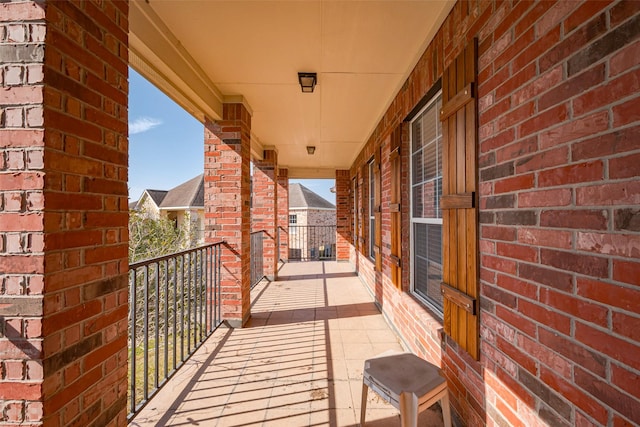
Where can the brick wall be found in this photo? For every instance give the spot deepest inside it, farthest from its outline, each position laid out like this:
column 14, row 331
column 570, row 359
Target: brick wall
column 559, row 195
column 283, row 213
column 85, row 116
column 343, row 215
column 227, row 184
column 264, row 209
column 64, row 183
column 22, row 35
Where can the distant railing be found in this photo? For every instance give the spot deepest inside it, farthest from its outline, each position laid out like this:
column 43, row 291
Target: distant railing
column 282, row 244
column 257, row 257
column 175, row 305
column 312, row 242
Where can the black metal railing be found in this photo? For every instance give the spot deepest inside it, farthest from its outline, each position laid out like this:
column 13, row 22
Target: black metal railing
column 282, row 244
column 174, row 306
column 312, row 242
column 257, row 257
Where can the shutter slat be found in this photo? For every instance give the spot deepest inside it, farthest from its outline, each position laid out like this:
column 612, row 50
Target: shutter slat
column 458, row 298
column 458, row 201
column 457, row 102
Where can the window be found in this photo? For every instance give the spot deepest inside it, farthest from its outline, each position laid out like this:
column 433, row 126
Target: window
column 293, row 228
column 372, row 206
column 426, row 215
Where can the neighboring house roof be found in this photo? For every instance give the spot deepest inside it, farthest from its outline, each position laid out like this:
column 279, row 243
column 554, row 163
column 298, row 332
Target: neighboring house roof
column 301, row 197
column 189, row 194
column 156, row 195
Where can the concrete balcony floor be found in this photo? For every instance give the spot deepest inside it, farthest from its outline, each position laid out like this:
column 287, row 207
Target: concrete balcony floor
column 297, row 363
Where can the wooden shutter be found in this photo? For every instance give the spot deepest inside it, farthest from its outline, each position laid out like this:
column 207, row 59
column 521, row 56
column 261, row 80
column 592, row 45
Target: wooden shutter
column 377, row 212
column 394, row 208
column 355, row 212
column 361, row 211
column 459, row 201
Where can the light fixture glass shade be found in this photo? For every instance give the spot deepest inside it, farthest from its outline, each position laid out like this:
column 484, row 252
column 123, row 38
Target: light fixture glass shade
column 307, row 81
column 311, row 149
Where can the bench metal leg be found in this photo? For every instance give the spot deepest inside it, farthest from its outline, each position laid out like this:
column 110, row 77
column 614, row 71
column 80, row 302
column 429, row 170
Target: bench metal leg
column 446, row 411
column 363, row 407
column 408, row 410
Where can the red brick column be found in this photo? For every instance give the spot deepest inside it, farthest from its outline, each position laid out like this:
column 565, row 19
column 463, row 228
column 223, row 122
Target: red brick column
column 283, row 213
column 63, row 213
column 227, row 146
column 343, row 215
column 264, row 212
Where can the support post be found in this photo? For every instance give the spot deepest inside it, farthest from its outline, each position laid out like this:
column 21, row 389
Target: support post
column 264, row 210
column 283, row 214
column 343, row 215
column 227, row 202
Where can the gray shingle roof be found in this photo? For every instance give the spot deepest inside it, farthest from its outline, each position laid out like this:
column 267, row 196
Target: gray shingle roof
column 157, row 195
column 187, row 194
column 301, row 197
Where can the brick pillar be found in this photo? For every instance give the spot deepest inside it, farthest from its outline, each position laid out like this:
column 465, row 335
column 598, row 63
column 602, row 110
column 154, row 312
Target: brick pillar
column 227, row 205
column 63, row 213
column 343, row 215
column 283, row 213
column 264, row 212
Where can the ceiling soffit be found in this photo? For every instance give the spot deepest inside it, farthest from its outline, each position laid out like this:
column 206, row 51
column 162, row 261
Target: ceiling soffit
column 203, row 53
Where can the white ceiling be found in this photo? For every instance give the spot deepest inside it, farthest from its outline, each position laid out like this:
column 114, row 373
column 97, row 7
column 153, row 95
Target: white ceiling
column 203, row 53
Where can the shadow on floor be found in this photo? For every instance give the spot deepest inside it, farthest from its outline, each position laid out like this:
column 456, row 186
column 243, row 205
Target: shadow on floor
column 297, row 364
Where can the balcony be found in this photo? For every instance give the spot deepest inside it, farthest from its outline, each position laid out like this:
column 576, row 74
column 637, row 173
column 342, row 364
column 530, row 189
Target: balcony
column 297, row 363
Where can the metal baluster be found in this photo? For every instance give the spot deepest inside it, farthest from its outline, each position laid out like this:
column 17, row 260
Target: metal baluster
column 189, row 304
column 198, row 299
column 146, row 332
column 218, row 284
column 166, row 317
column 175, row 311
column 132, row 338
column 157, row 325
column 210, row 287
column 182, row 272
column 207, row 303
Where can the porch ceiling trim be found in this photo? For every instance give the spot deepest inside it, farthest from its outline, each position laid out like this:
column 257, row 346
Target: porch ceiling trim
column 152, row 46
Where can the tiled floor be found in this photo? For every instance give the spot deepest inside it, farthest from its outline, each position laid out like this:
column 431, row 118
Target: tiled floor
column 297, row 363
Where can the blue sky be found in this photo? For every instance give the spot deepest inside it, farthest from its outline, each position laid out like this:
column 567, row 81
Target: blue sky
column 166, row 143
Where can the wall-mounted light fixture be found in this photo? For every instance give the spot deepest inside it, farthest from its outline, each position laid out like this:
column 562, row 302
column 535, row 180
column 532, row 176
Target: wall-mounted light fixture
column 307, row 81
column 311, row 149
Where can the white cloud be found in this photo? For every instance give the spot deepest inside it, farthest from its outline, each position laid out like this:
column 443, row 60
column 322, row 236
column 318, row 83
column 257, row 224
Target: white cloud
column 143, row 124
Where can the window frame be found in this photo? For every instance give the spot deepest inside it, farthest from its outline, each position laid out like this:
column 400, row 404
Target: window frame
column 438, row 309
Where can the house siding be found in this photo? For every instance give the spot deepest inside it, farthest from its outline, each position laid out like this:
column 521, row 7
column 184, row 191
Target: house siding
column 310, row 216
column 148, row 207
column 559, row 144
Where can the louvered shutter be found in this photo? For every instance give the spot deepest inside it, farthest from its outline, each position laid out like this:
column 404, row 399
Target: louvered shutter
column 459, row 201
column 377, row 212
column 395, row 208
column 362, row 243
column 354, row 194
